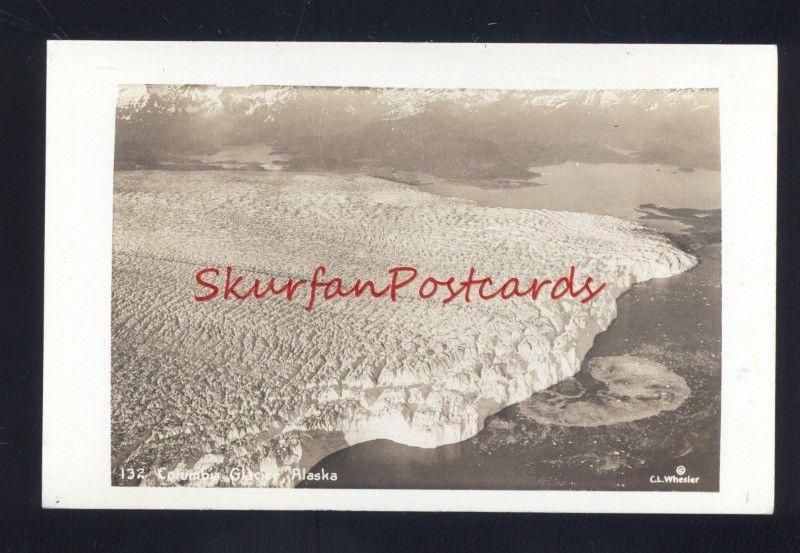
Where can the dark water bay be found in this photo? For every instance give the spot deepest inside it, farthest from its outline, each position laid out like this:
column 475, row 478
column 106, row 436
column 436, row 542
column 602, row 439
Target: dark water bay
column 673, row 324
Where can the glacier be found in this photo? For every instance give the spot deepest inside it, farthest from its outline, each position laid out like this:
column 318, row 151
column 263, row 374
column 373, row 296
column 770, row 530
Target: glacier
column 270, row 388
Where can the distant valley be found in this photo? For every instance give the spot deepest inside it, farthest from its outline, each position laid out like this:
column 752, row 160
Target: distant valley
column 466, row 135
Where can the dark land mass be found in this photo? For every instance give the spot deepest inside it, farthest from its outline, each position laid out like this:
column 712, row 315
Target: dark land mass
column 322, row 129
column 675, row 322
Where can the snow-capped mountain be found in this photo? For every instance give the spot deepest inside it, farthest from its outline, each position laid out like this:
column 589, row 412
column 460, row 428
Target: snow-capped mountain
column 397, row 102
column 452, row 132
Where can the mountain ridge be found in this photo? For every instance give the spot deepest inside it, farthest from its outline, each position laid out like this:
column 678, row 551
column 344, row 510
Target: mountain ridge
column 454, row 133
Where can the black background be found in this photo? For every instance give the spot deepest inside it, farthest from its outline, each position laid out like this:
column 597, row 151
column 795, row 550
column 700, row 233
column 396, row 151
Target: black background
column 25, row 25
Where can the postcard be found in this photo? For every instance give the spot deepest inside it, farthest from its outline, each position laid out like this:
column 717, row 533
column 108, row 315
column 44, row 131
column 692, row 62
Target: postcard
column 410, row 277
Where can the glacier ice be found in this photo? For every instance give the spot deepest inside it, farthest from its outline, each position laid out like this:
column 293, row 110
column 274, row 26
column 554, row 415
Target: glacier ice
column 268, row 387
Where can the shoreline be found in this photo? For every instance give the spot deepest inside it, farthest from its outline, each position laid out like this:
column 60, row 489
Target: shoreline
column 498, row 425
column 316, row 446
column 519, row 387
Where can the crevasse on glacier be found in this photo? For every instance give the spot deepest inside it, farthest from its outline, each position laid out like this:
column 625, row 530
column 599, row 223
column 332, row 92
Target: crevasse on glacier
column 269, row 387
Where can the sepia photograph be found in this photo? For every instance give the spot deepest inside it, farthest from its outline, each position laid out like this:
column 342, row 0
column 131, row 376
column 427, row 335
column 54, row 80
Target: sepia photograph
column 366, row 277
column 416, row 288
column 314, row 276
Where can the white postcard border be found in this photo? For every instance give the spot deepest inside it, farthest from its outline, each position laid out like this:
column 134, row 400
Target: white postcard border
column 82, row 80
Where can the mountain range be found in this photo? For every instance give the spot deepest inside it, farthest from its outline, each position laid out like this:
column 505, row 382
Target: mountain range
column 451, row 133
